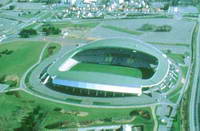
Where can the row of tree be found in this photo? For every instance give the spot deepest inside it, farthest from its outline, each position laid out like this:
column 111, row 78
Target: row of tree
column 50, row 29
column 151, row 27
column 26, row 33
column 47, row 29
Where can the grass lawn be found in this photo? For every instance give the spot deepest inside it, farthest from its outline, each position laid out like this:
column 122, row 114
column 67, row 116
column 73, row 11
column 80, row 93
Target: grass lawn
column 20, row 56
column 51, row 49
column 32, row 26
column 176, row 93
column 29, row 15
column 74, row 25
column 184, row 70
column 170, row 44
column 179, row 58
column 177, row 122
column 48, row 15
column 24, row 54
column 125, row 30
column 118, row 70
column 21, row 106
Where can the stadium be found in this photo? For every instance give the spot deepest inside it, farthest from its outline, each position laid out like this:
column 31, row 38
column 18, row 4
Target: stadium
column 115, row 67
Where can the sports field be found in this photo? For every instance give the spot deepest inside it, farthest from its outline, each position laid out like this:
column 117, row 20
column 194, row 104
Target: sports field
column 118, row 70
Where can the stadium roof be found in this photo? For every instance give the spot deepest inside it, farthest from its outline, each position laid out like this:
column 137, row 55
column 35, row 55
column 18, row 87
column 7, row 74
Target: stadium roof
column 62, row 73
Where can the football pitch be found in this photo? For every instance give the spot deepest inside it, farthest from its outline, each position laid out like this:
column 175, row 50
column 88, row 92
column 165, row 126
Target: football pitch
column 112, row 69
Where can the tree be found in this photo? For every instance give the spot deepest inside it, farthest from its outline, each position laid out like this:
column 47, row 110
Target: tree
column 166, row 6
column 11, row 7
column 104, row 2
column 169, row 51
column 147, row 27
column 163, row 28
column 50, row 29
column 2, row 78
column 134, row 113
column 12, row 83
column 26, row 33
column 174, row 2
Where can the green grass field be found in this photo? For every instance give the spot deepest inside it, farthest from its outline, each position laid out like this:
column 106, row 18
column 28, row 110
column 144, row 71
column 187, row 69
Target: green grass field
column 22, row 106
column 24, row 54
column 51, row 49
column 170, row 44
column 118, row 70
column 179, row 58
column 32, row 26
column 20, row 56
column 75, row 25
column 122, row 30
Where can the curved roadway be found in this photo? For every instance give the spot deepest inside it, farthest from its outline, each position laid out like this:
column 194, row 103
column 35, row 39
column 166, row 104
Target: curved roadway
column 193, row 106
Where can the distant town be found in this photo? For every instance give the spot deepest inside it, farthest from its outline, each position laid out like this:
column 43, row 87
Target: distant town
column 112, row 8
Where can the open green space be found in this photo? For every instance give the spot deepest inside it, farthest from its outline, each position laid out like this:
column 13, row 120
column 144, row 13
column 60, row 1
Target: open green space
column 176, row 126
column 184, row 70
column 75, row 25
column 176, row 93
column 16, row 57
column 47, row 15
column 173, row 96
column 155, row 28
column 29, row 14
column 170, row 44
column 179, row 58
column 118, row 70
column 120, row 29
column 24, row 54
column 51, row 49
column 29, row 112
column 32, row 26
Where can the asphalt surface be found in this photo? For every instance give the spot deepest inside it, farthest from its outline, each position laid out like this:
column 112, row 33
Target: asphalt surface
column 193, row 111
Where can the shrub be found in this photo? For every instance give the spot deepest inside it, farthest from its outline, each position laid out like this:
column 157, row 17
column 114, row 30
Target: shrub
column 164, row 28
column 2, row 78
column 151, row 27
column 49, row 29
column 11, row 7
column 26, row 33
column 11, row 83
column 166, row 6
column 145, row 114
column 133, row 113
column 147, row 27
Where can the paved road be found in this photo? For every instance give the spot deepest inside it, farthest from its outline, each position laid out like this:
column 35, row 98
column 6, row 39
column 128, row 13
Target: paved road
column 193, row 125
column 197, row 106
column 13, row 33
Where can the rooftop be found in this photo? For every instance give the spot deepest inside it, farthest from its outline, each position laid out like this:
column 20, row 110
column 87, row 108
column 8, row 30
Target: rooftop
column 73, row 67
